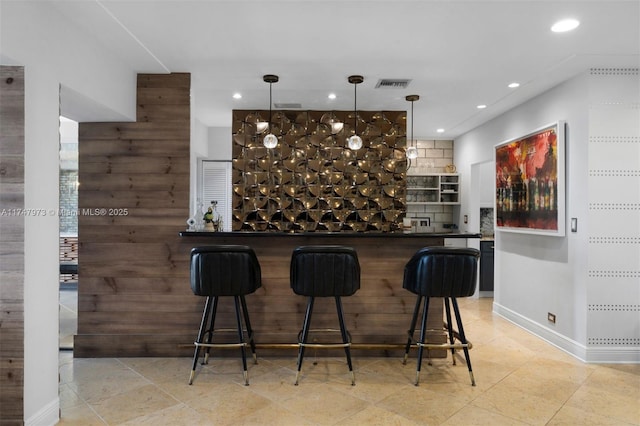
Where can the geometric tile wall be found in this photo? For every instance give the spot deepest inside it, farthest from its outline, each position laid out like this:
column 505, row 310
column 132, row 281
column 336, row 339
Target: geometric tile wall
column 311, row 181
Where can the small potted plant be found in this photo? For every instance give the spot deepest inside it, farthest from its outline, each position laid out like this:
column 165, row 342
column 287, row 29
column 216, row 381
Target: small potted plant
column 211, row 218
column 208, row 220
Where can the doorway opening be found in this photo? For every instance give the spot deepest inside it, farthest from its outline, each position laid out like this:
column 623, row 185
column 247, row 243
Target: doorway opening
column 68, row 217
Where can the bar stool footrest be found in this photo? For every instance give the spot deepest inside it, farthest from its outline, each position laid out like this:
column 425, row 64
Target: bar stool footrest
column 324, row 345
column 221, row 345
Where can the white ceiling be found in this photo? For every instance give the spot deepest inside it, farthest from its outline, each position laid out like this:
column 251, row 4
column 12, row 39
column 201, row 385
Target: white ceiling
column 458, row 54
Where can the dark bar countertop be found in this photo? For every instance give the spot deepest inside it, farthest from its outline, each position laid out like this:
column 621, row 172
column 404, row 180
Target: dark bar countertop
column 404, row 235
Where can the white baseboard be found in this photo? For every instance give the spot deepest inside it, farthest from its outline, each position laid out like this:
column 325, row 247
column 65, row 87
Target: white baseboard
column 624, row 355
column 47, row 415
column 596, row 355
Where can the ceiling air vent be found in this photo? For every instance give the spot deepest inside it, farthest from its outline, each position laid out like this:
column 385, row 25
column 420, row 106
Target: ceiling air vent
column 393, row 83
column 285, row 105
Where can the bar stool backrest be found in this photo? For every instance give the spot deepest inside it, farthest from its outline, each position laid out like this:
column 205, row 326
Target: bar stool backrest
column 325, row 271
column 224, row 270
column 442, row 272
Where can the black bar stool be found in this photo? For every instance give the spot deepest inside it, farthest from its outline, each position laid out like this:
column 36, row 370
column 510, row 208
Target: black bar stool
column 447, row 272
column 224, row 270
column 324, row 271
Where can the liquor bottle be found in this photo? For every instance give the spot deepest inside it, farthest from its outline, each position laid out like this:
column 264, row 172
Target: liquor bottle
column 532, row 193
column 546, row 195
column 508, row 195
column 199, row 216
column 552, row 197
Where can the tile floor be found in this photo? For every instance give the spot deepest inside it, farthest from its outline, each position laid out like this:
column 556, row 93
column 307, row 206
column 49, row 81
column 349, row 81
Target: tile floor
column 521, row 380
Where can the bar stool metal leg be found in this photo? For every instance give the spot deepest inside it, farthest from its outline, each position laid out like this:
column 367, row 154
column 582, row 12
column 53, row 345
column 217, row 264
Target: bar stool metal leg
column 214, row 311
column 201, row 332
column 463, row 338
column 450, row 328
column 412, row 329
column 247, row 324
column 305, row 333
column 345, row 339
column 241, row 340
column 423, row 334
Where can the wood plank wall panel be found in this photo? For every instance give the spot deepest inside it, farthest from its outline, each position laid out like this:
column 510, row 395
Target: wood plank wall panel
column 133, row 289
column 12, row 247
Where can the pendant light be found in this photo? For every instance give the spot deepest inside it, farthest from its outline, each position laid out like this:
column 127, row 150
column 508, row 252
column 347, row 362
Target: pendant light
column 355, row 141
column 411, row 151
column 270, row 141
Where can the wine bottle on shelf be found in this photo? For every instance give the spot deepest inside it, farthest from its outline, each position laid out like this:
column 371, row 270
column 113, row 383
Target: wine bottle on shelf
column 200, row 212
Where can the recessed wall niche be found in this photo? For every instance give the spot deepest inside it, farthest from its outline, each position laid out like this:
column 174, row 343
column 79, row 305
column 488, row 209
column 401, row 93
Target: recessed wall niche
column 312, row 181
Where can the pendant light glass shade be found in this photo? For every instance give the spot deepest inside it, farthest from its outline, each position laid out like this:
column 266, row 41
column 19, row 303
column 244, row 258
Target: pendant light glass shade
column 270, row 140
column 411, row 152
column 355, row 141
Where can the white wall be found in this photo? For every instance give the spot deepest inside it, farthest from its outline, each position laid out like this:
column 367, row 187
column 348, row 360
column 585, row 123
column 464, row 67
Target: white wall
column 539, row 274
column 199, row 149
column 53, row 53
column 613, row 315
column 220, row 146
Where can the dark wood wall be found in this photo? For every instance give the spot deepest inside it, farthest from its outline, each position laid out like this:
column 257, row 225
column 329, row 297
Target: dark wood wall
column 12, row 247
column 133, row 290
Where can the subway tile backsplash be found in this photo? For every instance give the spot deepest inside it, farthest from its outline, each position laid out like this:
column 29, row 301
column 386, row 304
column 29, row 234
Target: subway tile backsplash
column 433, row 157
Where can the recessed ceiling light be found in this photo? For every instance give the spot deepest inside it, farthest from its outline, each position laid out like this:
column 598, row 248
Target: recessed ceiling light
column 514, row 85
column 481, row 106
column 440, row 130
column 565, row 25
column 332, row 96
column 237, row 96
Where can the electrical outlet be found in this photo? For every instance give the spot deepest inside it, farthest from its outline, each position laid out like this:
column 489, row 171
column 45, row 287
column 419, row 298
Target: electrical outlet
column 551, row 317
column 466, row 219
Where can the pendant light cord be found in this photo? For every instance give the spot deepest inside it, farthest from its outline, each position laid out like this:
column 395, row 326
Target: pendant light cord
column 355, row 109
column 270, row 102
column 411, row 133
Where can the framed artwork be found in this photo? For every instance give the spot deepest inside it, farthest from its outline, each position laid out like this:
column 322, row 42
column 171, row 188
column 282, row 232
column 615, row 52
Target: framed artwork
column 530, row 182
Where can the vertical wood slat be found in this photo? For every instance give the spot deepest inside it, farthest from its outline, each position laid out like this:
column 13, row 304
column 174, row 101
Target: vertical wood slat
column 12, row 251
column 145, row 203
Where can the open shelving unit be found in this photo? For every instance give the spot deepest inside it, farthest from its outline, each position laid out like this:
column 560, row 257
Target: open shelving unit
column 438, row 188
